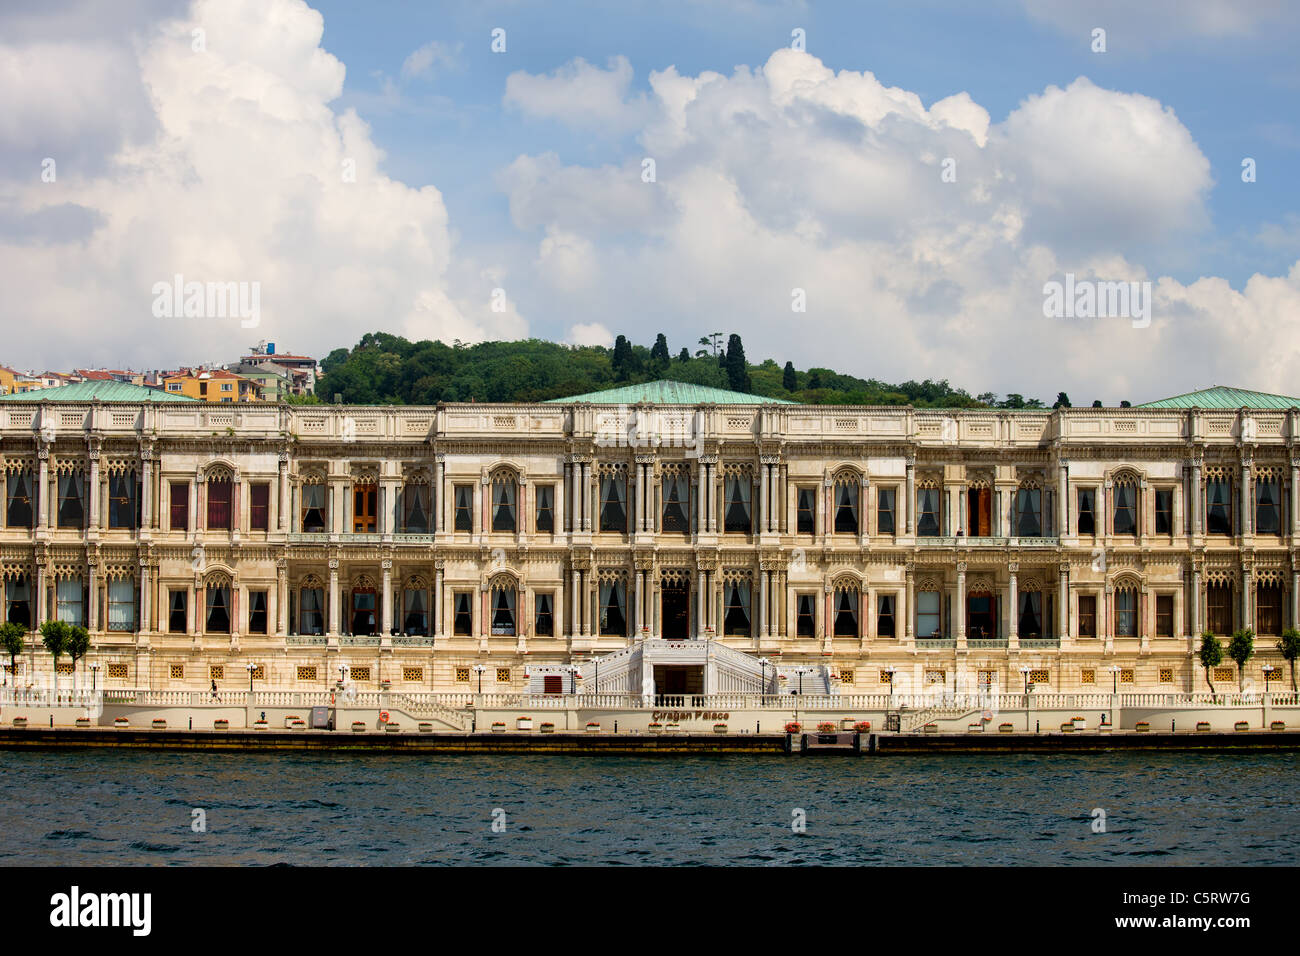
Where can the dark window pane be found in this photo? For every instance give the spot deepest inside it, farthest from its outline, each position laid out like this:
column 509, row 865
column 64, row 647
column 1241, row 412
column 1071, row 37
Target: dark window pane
column 256, row 612
column 218, row 611
column 1268, row 512
column 846, row 614
column 464, row 508
column 1164, row 615
column 846, row 509
column 885, row 615
column 464, row 618
column 1218, row 492
column 416, row 509
column 179, row 506
column 545, row 626
column 807, row 519
column 885, row 514
column 1087, row 615
column 259, row 506
column 1125, row 512
column 1087, row 511
column 613, row 512
column 807, row 622
column 1164, row 511
column 545, row 509
column 927, row 508
column 18, row 510
column 71, row 512
column 219, row 492
column 122, row 500
column 736, row 517
column 176, row 612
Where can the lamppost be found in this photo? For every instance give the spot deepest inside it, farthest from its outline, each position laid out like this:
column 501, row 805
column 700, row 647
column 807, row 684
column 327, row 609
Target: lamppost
column 762, row 691
column 1114, row 679
column 1024, row 669
column 479, row 669
column 1269, row 670
column 574, row 673
column 251, row 667
column 94, row 677
column 890, row 670
column 801, row 671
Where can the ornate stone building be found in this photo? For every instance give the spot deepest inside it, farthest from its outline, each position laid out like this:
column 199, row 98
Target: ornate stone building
column 532, row 546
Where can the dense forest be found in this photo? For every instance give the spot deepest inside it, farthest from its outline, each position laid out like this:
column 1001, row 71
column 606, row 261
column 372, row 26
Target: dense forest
column 388, row 369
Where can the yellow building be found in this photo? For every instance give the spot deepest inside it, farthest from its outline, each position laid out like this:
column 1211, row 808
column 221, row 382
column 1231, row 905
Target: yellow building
column 213, row 385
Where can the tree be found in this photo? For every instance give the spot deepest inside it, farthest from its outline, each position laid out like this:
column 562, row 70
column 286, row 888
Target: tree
column 789, row 381
column 1062, row 401
column 1211, row 655
column 736, row 366
column 987, row 398
column 1013, row 400
column 659, row 352
column 1290, row 648
column 684, row 355
column 1097, row 403
column 1125, row 404
column 11, row 640
column 622, row 358
column 54, row 635
column 1240, row 649
column 77, row 646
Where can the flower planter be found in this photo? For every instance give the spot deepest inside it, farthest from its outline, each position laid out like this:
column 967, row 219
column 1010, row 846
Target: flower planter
column 1079, row 723
column 426, row 727
column 358, row 726
column 260, row 725
column 975, row 728
column 1277, row 725
column 1105, row 728
column 298, row 725
column 793, row 727
column 1202, row 726
column 547, row 728
column 1240, row 726
column 1006, row 728
column 159, row 723
column 22, row 721
column 117, row 721
column 291, row 720
column 656, row 728
column 524, row 723
column 826, row 727
column 931, row 728
column 719, row 728
column 1067, row 727
column 672, row 728
column 863, row 726
column 83, row 721
column 1142, row 727
column 221, row 724
column 393, row 728
column 499, row 727
column 593, row 727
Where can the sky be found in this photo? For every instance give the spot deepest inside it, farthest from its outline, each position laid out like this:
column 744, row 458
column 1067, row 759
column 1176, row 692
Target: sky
column 888, row 189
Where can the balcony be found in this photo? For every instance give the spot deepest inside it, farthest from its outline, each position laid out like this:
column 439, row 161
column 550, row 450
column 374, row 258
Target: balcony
column 985, row 643
column 1039, row 643
column 936, row 643
column 962, row 541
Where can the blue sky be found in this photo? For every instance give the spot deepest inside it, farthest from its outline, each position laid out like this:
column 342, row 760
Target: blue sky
column 502, row 195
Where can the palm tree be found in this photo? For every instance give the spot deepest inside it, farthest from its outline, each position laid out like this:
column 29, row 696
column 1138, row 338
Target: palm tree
column 54, row 635
column 1211, row 655
column 11, row 640
column 1240, row 650
column 1290, row 648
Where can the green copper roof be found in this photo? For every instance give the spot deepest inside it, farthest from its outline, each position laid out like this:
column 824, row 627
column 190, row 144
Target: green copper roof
column 1222, row 397
column 664, row 392
column 103, row 391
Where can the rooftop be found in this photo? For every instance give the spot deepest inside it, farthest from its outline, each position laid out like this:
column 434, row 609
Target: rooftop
column 665, row 392
column 111, row 391
column 1221, row 396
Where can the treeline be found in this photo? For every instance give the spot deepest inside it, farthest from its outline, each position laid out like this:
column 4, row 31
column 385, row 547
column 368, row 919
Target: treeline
column 387, row 369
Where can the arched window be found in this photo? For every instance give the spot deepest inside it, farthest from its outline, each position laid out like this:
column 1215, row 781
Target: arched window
column 122, row 593
column 677, row 500
column 1125, row 517
column 1029, row 512
column 314, row 511
column 415, row 608
column 1268, row 503
column 735, row 616
column 220, row 493
column 311, row 606
column 70, row 600
column 927, row 510
column 613, row 607
column 1218, row 501
column 846, row 505
column 1030, row 614
column 18, row 499
column 613, row 502
column 1126, row 608
column 846, row 610
column 737, row 495
column 72, row 500
column 18, row 600
column 217, row 607
column 503, row 601
column 504, row 495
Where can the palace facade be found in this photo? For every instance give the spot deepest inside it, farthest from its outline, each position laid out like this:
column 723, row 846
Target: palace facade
column 538, row 546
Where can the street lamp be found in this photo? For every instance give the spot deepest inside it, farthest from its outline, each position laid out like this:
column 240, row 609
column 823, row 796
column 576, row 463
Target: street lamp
column 1114, row 678
column 801, row 671
column 94, row 676
column 479, row 669
column 762, row 691
column 575, row 672
column 1024, row 669
column 1268, row 675
column 251, row 667
column 890, row 670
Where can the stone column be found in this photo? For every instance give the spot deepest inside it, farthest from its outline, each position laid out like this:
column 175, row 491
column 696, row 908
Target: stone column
column 960, row 609
column 764, row 519
column 699, row 496
column 1295, row 598
column 386, row 612
column 1063, row 499
column 701, row 604
column 1247, row 497
column 1194, row 607
column 1194, row 506
column 195, row 524
column 634, row 604
column 442, row 504
column 43, row 496
column 440, row 607
column 1247, row 592
column 1063, row 605
column 282, row 494
column 908, row 629
column 909, row 506
column 762, row 602
column 334, row 598
column 1295, row 505
column 584, row 485
column 142, row 625
column 282, row 597
column 1013, row 606
column 146, row 494
column 94, row 492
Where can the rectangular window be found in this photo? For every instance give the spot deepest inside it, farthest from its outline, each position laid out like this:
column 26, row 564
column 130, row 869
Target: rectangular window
column 256, row 612
column 1164, row 615
column 259, row 506
column 1087, row 615
column 885, row 511
column 1029, row 513
column 122, row 501
column 613, row 510
column 313, row 508
column 613, row 602
column 1164, row 511
column 219, row 498
column 217, row 617
column 927, row 614
column 1125, row 509
column 806, row 626
column 736, row 511
column 846, row 613
column 311, row 617
column 415, row 614
column 502, row 605
column 70, row 598
column 1126, row 612
column 464, row 498
column 1088, row 511
column 1268, row 506
column 176, row 611
column 1268, row 609
column 19, row 506
column 463, row 626
column 18, row 601
column 417, row 509
column 1031, row 614
column 1218, row 603
column 552, row 683
column 806, row 522
column 503, row 505
column 846, row 508
column 121, row 604
column 72, row 508
column 677, row 504
column 544, row 625
column 545, row 520
column 179, row 506
column 1218, row 506
column 884, row 615
column 979, row 512
column 927, row 512
column 365, row 509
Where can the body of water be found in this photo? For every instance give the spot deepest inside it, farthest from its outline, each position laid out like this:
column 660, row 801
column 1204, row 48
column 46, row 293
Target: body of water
column 105, row 807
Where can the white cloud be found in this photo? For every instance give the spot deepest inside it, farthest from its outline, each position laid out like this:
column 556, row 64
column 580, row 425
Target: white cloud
column 579, row 94
column 242, row 175
column 794, row 177
column 432, row 56
column 1159, row 22
column 592, row 333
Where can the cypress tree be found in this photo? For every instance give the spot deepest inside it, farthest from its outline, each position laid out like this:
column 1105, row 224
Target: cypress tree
column 659, row 351
column 788, row 380
column 736, row 367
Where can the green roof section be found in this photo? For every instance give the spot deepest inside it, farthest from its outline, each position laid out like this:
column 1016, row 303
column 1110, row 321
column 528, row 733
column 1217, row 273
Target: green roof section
column 1220, row 396
column 665, row 392
column 96, row 391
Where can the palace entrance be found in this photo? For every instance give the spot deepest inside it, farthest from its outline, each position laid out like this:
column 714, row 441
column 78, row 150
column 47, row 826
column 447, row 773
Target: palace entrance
column 675, row 610
column 673, row 680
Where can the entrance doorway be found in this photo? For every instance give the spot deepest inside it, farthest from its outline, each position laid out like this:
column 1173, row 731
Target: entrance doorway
column 981, row 617
column 980, row 513
column 675, row 610
column 363, row 612
column 676, row 680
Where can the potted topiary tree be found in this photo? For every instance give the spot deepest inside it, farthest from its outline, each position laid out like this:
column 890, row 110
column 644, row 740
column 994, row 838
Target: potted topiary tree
column 54, row 635
column 77, row 647
column 1240, row 649
column 1211, row 655
column 11, row 640
column 1290, row 649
